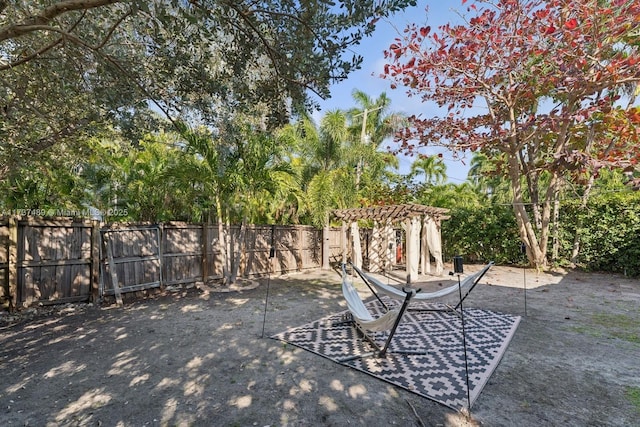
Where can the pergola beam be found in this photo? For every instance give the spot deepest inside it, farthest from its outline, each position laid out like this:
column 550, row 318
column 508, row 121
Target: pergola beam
column 393, row 213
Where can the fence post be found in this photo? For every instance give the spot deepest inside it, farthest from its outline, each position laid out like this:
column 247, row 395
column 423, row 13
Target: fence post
column 95, row 261
column 12, row 260
column 343, row 241
column 161, row 242
column 301, row 244
column 325, row 247
column 205, row 252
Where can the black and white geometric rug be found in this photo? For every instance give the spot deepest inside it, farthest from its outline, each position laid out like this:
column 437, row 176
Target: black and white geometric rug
column 439, row 373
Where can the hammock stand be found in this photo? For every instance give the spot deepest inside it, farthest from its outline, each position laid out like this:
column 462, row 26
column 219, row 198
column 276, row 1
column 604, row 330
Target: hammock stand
column 362, row 319
column 376, row 287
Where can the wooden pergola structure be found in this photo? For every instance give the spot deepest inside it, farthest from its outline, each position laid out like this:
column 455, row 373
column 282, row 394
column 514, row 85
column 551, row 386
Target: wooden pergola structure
column 422, row 228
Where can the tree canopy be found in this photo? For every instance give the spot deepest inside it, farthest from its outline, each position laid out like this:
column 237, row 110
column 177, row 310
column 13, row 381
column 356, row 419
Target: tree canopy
column 549, row 84
column 70, row 68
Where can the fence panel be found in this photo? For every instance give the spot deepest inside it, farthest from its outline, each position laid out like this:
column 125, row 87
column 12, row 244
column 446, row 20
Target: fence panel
column 65, row 260
column 213, row 257
column 335, row 245
column 296, row 248
column 132, row 256
column 182, row 253
column 54, row 261
column 288, row 257
column 311, row 247
column 4, row 261
column 258, row 244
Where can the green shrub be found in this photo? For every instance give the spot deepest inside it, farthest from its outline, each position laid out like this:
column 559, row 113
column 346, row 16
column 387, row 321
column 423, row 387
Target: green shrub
column 610, row 232
column 481, row 234
column 609, row 228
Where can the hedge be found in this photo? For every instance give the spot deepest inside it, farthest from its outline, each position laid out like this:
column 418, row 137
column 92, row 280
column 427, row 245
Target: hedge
column 609, row 227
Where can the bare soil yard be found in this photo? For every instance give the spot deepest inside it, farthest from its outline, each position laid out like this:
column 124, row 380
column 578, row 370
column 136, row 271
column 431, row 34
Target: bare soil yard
column 197, row 358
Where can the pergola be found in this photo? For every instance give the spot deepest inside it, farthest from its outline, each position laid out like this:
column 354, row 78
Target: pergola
column 422, row 228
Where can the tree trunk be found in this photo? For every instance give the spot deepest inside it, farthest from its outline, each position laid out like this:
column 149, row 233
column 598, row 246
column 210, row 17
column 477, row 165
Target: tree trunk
column 536, row 253
column 578, row 233
column 546, row 214
column 239, row 250
column 222, row 240
column 227, row 251
column 556, row 225
column 533, row 179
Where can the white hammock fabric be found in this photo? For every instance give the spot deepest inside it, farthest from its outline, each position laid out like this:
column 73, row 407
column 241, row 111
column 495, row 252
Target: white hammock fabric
column 434, row 244
column 422, row 296
column 359, row 311
column 364, row 321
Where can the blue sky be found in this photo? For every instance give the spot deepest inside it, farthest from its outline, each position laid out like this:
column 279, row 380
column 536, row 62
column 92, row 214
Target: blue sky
column 367, row 78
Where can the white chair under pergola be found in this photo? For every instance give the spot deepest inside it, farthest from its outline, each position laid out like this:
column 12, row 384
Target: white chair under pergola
column 420, row 223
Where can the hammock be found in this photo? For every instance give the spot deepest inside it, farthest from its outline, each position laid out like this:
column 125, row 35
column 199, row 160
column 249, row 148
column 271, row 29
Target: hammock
column 469, row 282
column 362, row 316
column 364, row 321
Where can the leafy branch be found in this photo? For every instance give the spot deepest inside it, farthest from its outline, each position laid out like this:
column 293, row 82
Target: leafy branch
column 35, row 22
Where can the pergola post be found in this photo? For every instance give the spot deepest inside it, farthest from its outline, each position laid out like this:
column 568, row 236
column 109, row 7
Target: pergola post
column 356, row 248
column 438, row 239
column 376, row 249
column 343, row 241
column 390, row 245
column 413, row 249
column 425, row 258
column 435, row 243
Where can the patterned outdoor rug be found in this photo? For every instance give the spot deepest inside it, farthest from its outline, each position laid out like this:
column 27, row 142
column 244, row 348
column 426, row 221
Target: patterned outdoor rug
column 439, row 373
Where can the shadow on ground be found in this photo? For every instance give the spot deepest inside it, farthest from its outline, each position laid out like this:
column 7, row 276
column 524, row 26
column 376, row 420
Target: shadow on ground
column 194, row 358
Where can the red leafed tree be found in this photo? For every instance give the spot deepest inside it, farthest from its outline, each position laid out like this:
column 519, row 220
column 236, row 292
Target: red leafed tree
column 550, row 85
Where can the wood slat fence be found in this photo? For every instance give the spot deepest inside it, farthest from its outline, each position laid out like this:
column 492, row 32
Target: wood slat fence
column 66, row 260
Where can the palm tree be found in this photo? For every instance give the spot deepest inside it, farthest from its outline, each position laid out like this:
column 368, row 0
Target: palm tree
column 105, row 173
column 370, row 125
column 329, row 145
column 484, row 175
column 450, row 196
column 374, row 117
column 259, row 173
column 432, row 167
column 322, row 163
column 246, row 172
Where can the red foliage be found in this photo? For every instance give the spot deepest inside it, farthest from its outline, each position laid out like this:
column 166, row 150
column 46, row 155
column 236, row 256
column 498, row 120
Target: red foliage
column 571, row 24
column 527, row 72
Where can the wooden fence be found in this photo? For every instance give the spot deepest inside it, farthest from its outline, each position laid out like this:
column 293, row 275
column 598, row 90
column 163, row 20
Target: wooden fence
column 130, row 259
column 4, row 259
column 65, row 260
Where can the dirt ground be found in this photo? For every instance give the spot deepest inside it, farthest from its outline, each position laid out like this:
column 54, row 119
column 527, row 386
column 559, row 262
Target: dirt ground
column 199, row 358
